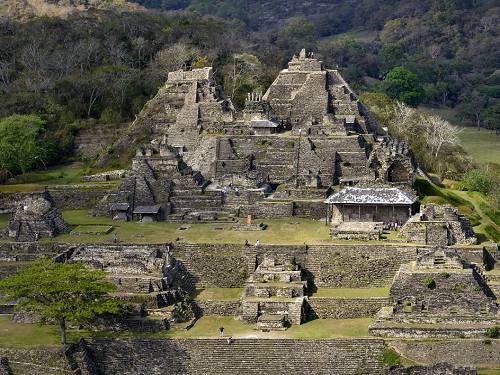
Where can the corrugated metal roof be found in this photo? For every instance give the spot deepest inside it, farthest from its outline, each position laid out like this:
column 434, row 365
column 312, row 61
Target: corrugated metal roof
column 372, row 196
column 263, row 124
column 147, row 209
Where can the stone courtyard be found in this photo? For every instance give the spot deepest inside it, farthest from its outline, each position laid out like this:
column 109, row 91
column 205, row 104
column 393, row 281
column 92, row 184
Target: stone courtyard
column 210, row 209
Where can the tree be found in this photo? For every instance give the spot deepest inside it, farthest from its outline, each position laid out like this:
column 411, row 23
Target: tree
column 440, row 132
column 491, row 117
column 21, row 143
column 62, row 292
column 403, row 85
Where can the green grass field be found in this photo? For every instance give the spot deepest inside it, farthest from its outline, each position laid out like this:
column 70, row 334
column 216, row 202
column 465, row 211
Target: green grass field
column 483, row 146
column 64, row 174
column 218, row 294
column 351, row 292
column 292, row 231
column 19, row 334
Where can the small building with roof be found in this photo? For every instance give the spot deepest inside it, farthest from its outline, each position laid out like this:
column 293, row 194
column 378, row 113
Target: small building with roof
column 375, row 204
column 147, row 213
column 263, row 127
column 119, row 211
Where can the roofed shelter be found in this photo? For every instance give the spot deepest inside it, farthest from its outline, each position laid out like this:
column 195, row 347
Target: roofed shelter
column 371, row 205
column 147, row 213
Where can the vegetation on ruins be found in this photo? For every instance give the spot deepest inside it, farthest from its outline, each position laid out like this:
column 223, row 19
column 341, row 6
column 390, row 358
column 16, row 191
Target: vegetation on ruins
column 62, row 293
column 429, row 282
column 493, row 332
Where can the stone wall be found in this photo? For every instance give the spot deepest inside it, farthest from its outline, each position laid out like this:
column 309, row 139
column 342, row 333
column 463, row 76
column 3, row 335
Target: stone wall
column 71, row 197
column 459, row 352
column 248, row 356
column 356, row 266
column 219, row 308
column 345, row 308
column 39, row 360
column 222, row 266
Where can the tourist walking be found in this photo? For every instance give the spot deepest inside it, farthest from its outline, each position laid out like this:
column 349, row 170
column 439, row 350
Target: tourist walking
column 221, row 331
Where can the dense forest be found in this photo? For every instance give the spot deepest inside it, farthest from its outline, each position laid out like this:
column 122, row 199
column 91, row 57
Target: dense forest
column 99, row 64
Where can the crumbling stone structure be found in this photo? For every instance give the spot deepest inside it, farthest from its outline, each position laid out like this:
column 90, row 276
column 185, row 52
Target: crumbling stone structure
column 441, row 290
column 36, row 217
column 393, row 163
column 287, row 147
column 274, row 294
column 439, row 225
column 147, row 276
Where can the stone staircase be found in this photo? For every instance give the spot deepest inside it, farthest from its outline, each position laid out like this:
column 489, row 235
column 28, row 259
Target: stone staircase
column 242, row 356
column 274, row 295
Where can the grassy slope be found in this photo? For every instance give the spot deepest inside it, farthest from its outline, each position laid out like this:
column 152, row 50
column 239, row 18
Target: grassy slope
column 467, row 202
column 483, row 146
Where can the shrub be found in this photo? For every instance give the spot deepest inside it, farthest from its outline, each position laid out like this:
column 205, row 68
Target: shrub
column 479, row 180
column 493, row 332
column 110, row 116
column 429, row 282
column 445, row 274
column 391, row 357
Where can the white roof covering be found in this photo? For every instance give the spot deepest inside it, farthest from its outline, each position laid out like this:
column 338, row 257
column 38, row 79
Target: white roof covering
column 263, row 124
column 355, row 195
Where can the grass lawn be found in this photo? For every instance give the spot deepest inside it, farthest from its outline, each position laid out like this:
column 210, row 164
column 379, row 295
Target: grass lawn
column 483, row 145
column 208, row 326
column 20, row 334
column 65, row 174
column 330, row 328
column 292, row 231
column 4, row 219
column 218, row 294
column 351, row 292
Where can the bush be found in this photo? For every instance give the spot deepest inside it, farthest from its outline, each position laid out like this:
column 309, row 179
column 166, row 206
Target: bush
column 493, row 332
column 391, row 357
column 479, row 180
column 429, row 282
column 110, row 116
column 445, row 274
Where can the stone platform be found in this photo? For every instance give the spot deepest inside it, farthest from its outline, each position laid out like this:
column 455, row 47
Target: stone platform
column 355, row 230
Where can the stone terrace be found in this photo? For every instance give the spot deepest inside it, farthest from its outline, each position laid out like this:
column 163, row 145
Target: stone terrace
column 249, row 356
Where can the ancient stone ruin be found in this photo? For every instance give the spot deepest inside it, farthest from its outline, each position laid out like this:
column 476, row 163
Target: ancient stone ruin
column 437, row 295
column 439, row 225
column 36, row 217
column 274, row 294
column 306, row 148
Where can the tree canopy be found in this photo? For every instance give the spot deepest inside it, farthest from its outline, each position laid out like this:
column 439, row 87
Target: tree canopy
column 403, row 85
column 21, row 144
column 62, row 292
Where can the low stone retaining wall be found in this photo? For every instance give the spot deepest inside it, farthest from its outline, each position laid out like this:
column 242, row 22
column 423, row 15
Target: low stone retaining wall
column 424, row 332
column 345, row 308
column 220, row 308
column 71, row 197
column 459, row 352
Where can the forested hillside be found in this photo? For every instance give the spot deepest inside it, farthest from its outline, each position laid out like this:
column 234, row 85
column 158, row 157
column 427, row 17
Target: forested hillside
column 98, row 61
